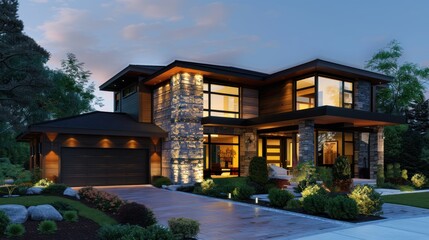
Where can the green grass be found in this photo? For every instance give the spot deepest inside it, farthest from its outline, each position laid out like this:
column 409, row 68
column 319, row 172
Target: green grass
column 230, row 181
column 411, row 199
column 405, row 188
column 84, row 211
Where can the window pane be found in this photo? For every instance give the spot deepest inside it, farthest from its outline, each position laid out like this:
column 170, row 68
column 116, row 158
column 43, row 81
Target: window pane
column 224, row 89
column 224, row 103
column 329, row 92
column 206, row 156
column 307, row 82
column 348, row 137
column 216, row 138
column 305, row 99
column 275, row 142
column 205, row 86
column 224, row 114
column 205, row 113
column 224, row 157
column 348, row 100
column 348, row 86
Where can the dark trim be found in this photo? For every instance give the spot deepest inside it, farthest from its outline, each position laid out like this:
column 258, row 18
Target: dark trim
column 124, row 74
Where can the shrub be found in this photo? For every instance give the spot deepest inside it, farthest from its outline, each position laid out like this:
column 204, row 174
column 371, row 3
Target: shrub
column 4, row 221
column 313, row 189
column 404, row 174
column 389, row 171
column 396, row 170
column 47, row 227
column 341, row 207
column 70, row 216
column 44, row 182
column 159, row 181
column 136, row 214
column 279, row 198
column 314, row 204
column 380, row 175
column 367, row 199
column 243, row 192
column 102, row 200
column 294, row 204
column 55, row 189
column 157, row 232
column 258, row 171
column 418, row 180
column 14, row 230
column 115, row 232
column 341, row 169
column 325, row 174
column 63, row 206
column 304, row 171
column 207, row 185
column 184, row 227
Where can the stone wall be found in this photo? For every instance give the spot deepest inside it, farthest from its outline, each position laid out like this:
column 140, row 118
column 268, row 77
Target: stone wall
column 376, row 151
column 248, row 143
column 362, row 95
column 306, row 141
column 361, row 153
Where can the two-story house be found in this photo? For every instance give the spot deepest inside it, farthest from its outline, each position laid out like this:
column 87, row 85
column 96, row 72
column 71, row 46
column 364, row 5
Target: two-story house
column 191, row 120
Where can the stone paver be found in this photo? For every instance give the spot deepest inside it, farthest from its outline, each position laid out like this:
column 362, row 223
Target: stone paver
column 223, row 219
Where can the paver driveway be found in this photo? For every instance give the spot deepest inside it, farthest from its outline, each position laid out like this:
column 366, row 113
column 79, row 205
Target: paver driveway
column 222, row 219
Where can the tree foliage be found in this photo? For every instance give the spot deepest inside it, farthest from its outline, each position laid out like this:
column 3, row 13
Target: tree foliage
column 408, row 78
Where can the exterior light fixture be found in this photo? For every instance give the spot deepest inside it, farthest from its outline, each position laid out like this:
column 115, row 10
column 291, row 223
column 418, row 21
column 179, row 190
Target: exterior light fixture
column 229, row 195
column 256, row 200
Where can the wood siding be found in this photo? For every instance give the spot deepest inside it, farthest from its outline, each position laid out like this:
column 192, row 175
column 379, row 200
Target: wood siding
column 130, row 105
column 145, row 103
column 250, row 103
column 276, row 98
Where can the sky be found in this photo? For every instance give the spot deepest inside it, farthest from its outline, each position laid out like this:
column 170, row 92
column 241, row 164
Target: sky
column 265, row 35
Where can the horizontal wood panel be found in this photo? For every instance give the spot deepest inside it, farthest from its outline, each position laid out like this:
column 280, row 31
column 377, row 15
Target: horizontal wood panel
column 276, row 98
column 92, row 166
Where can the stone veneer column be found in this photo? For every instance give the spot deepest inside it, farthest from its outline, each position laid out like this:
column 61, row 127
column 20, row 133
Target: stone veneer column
column 376, row 151
column 248, row 149
column 361, row 154
column 186, row 134
column 362, row 95
column 306, row 141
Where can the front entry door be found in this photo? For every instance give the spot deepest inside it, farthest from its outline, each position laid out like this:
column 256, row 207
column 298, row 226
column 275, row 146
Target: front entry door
column 278, row 151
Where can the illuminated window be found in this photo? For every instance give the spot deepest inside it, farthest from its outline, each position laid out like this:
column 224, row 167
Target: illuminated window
column 221, row 101
column 305, row 93
column 332, row 92
column 331, row 144
column 221, row 154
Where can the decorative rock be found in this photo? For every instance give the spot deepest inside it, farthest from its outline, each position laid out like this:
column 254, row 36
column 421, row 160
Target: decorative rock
column 71, row 193
column 44, row 212
column 16, row 213
column 34, row 190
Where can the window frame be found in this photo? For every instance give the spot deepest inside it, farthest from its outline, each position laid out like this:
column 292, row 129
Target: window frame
column 129, row 90
column 210, row 144
column 209, row 94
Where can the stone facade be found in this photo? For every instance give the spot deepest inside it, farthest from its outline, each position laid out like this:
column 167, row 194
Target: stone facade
column 361, row 153
column 178, row 109
column 362, row 95
column 376, row 151
column 306, row 141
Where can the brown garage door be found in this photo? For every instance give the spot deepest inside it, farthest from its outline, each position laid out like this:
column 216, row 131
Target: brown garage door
column 104, row 166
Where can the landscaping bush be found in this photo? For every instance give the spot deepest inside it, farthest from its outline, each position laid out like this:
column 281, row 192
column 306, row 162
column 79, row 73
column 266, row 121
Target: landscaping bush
column 258, row 173
column 404, row 175
column 304, row 171
column 315, row 203
column 44, row 182
column 380, row 175
column 134, row 232
column 47, row 227
column 243, row 192
column 4, row 221
column 70, row 216
column 101, row 200
column 14, row 230
column 63, row 206
column 207, row 185
column 115, row 232
column 397, row 170
column 136, row 214
column 418, row 180
column 279, row 198
column 389, row 171
column 313, row 189
column 160, row 180
column 184, row 228
column 157, row 232
column 342, row 174
column 341, row 207
column 367, row 199
column 294, row 204
column 55, row 189
column 324, row 174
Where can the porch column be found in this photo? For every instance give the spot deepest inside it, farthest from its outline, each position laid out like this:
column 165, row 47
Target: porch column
column 186, row 134
column 376, row 151
column 306, row 141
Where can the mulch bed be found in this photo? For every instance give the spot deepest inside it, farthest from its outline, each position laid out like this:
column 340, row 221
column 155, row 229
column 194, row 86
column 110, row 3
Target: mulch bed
column 84, row 229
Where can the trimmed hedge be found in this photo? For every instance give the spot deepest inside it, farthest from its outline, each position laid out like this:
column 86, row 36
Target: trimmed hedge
column 341, row 207
column 279, row 198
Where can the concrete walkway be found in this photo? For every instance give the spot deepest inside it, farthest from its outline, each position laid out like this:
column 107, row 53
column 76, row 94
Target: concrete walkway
column 223, row 219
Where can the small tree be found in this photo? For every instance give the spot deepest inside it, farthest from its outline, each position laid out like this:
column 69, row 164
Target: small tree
column 342, row 174
column 258, row 172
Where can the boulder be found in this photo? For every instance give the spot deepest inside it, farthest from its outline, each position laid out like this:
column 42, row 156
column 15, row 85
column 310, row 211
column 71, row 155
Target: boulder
column 71, row 193
column 16, row 213
column 44, row 212
column 34, row 190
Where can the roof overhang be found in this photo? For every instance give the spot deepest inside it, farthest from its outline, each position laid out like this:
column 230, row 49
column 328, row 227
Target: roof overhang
column 326, row 115
column 128, row 75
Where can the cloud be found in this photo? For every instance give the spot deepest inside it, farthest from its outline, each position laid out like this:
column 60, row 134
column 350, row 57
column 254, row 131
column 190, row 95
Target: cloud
column 211, row 15
column 141, row 31
column 154, row 9
column 40, row 1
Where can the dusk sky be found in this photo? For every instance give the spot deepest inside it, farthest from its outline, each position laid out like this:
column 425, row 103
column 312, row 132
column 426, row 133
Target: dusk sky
column 265, row 36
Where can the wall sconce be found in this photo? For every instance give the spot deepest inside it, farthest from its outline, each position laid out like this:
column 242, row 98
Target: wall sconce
column 155, row 148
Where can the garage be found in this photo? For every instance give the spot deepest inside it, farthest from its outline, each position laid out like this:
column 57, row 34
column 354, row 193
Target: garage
column 98, row 166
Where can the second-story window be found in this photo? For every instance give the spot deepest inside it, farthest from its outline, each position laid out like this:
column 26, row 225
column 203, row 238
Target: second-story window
column 129, row 90
column 221, row 100
column 305, row 93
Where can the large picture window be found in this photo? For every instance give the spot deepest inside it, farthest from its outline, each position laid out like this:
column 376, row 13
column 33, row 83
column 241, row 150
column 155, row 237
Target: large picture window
column 331, row 144
column 221, row 154
column 330, row 92
column 221, row 101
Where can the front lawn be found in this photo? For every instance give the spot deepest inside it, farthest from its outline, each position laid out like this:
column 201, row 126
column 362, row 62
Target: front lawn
column 410, row 199
column 84, row 211
column 234, row 181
